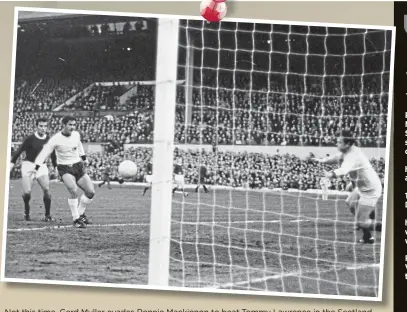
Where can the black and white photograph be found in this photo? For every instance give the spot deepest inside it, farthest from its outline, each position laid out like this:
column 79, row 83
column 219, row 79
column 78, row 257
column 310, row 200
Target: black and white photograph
column 168, row 152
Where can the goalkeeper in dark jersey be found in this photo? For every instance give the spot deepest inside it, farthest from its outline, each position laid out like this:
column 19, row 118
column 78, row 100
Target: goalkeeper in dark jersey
column 202, row 176
column 32, row 146
column 149, row 176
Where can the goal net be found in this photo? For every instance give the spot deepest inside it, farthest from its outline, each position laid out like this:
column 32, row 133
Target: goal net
column 258, row 99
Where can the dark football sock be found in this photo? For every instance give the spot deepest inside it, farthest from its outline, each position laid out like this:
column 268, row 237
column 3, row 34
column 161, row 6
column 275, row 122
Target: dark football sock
column 47, row 204
column 204, row 186
column 366, row 235
column 26, row 198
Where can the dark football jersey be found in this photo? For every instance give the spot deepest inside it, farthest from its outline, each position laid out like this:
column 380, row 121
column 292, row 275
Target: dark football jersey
column 149, row 168
column 178, row 169
column 32, row 146
column 202, row 171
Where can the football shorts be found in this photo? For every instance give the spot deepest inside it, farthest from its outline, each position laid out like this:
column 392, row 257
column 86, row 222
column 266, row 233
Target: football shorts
column 365, row 198
column 201, row 179
column 77, row 170
column 149, row 178
column 179, row 180
column 28, row 166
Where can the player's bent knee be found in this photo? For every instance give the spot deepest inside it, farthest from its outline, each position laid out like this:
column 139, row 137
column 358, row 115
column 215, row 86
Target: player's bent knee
column 26, row 191
column 352, row 208
column 90, row 194
column 47, row 193
column 365, row 224
column 73, row 191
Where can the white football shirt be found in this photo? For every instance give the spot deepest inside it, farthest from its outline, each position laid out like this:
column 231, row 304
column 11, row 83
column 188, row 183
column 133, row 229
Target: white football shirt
column 68, row 149
column 360, row 170
column 325, row 182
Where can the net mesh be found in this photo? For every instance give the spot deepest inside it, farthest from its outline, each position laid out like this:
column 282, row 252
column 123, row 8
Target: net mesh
column 258, row 100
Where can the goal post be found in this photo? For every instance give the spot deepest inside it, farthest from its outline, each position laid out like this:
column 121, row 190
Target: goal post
column 189, row 80
column 164, row 121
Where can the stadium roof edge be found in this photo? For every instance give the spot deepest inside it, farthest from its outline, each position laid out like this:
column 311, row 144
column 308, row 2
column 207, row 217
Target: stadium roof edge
column 32, row 18
column 26, row 17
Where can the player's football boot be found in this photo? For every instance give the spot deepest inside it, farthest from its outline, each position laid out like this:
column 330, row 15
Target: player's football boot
column 85, row 219
column 78, row 223
column 47, row 219
column 27, row 217
column 367, row 241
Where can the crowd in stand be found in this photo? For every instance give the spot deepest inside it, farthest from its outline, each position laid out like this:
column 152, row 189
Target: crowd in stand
column 233, row 169
column 44, row 94
column 260, row 118
column 229, row 107
column 228, row 117
column 135, row 127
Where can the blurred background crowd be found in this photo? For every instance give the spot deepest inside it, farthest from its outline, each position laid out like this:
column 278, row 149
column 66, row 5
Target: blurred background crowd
column 104, row 75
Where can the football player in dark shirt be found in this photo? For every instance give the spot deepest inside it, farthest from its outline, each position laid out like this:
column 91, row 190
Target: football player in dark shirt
column 202, row 176
column 106, row 177
column 32, row 146
column 149, row 176
column 214, row 147
column 179, row 177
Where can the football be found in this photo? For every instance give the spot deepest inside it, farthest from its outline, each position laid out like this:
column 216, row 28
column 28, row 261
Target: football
column 213, row 10
column 127, row 169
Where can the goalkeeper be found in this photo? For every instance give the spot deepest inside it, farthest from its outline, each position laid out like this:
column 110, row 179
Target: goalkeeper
column 363, row 199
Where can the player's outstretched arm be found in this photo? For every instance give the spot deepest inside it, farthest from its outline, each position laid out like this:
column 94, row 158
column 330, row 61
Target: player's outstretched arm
column 345, row 168
column 333, row 160
column 46, row 151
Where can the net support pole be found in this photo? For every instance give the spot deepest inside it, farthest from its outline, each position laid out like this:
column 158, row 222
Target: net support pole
column 189, row 81
column 164, row 121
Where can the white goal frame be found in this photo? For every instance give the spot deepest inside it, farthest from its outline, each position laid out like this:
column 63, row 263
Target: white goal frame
column 165, row 99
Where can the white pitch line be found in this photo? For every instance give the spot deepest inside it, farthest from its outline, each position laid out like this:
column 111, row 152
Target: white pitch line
column 300, row 221
column 232, row 222
column 58, row 227
column 296, row 274
column 242, row 222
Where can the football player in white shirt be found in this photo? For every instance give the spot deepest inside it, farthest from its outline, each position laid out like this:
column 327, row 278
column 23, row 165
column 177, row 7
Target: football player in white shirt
column 70, row 164
column 325, row 184
column 363, row 199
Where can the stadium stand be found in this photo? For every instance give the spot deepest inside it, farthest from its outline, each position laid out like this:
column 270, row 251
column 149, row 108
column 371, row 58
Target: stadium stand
column 231, row 115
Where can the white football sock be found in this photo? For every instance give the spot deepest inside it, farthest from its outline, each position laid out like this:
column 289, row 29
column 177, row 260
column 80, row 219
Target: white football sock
column 73, row 205
column 83, row 204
